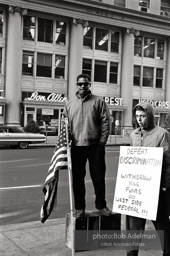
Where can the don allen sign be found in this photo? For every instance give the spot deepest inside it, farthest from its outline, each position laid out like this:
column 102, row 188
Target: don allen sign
column 138, row 181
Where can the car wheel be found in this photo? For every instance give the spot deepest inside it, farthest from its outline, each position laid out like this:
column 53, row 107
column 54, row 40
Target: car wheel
column 23, row 144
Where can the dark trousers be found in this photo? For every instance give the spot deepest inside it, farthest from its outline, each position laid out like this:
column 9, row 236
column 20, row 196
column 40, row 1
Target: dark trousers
column 162, row 222
column 95, row 154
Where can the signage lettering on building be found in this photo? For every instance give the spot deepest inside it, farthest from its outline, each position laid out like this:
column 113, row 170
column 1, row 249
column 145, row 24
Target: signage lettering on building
column 113, row 101
column 157, row 103
column 53, row 97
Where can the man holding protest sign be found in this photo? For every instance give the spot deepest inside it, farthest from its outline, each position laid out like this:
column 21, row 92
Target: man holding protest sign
column 147, row 134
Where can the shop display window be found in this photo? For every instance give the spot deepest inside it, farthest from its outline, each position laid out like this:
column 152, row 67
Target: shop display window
column 116, row 122
column 29, row 28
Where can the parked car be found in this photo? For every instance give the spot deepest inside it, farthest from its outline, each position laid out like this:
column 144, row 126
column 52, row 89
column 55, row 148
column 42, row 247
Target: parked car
column 46, row 129
column 15, row 136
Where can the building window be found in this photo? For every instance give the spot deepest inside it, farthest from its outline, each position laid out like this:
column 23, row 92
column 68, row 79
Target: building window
column 87, row 67
column 59, row 66
column 102, row 37
column 149, row 47
column 0, row 60
column 160, row 50
column 138, row 46
column 45, row 30
column 1, row 23
column 115, row 122
column 113, row 73
column 88, row 37
column 144, row 5
column 159, row 78
column 27, row 63
column 165, row 8
column 137, row 75
column 120, row 3
column 60, row 36
column 148, row 76
column 29, row 28
column 44, row 64
column 114, row 41
column 100, row 71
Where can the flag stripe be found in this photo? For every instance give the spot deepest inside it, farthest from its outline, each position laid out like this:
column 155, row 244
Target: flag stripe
column 59, row 161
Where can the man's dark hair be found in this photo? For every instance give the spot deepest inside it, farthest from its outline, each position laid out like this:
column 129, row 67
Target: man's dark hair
column 84, row 76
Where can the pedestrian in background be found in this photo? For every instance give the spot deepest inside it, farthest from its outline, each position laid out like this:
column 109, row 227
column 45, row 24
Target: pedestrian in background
column 147, row 134
column 89, row 125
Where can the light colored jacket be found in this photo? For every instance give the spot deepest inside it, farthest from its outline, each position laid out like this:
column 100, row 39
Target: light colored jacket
column 89, row 120
column 157, row 137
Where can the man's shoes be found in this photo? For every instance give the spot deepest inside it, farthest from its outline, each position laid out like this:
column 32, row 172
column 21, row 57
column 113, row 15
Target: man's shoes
column 105, row 211
column 79, row 213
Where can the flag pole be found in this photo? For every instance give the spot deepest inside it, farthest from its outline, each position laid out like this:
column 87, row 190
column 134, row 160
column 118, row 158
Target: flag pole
column 70, row 192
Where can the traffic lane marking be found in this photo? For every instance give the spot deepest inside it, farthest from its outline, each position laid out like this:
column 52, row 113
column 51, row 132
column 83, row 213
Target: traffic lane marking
column 18, row 160
column 21, row 187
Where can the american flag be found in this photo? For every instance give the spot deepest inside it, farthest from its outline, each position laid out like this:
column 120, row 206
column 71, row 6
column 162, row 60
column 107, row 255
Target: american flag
column 59, row 161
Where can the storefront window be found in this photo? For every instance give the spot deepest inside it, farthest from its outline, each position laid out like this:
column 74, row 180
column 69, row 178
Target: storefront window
column 148, row 76
column 27, row 63
column 60, row 36
column 102, row 37
column 136, row 77
column 100, row 71
column 88, row 37
column 48, row 120
column 116, row 122
column 29, row 28
column 1, row 23
column 113, row 72
column 114, row 41
column 45, row 30
column 87, row 67
column 44, row 64
column 59, row 66
column 159, row 77
column 149, row 47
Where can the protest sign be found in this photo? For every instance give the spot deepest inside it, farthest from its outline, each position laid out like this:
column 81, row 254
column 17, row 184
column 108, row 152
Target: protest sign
column 138, row 181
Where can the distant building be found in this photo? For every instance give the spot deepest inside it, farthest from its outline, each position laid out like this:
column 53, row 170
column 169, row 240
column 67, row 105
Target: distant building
column 124, row 45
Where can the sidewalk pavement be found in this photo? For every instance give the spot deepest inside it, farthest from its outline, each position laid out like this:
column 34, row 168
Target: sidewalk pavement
column 48, row 239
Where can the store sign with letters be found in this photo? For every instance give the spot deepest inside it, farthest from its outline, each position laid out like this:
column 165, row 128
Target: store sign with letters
column 53, row 97
column 138, row 181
